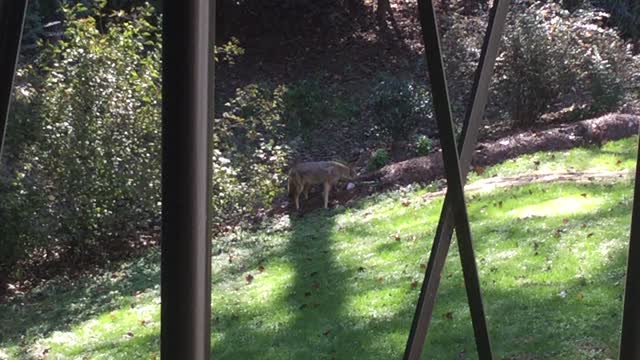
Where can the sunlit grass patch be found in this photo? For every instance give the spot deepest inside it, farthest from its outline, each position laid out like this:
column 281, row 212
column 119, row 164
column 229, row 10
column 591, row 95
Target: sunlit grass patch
column 612, row 156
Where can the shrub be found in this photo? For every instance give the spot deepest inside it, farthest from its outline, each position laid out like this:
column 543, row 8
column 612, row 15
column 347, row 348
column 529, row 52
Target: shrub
column 461, row 45
column 552, row 59
column 398, row 106
column 250, row 153
column 309, row 103
column 306, row 106
column 379, row 158
column 423, row 145
column 625, row 14
column 92, row 172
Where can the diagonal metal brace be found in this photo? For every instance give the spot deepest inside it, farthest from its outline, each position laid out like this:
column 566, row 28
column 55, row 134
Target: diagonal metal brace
column 630, row 339
column 426, row 301
column 12, row 13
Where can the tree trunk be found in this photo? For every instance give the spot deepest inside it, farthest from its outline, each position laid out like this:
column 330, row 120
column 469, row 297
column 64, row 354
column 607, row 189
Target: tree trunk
column 384, row 8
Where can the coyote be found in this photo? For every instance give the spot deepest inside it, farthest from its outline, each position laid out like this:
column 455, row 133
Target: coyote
column 303, row 175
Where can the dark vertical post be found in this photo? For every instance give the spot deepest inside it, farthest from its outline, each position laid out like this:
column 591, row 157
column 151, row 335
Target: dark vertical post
column 11, row 23
column 186, row 260
column 455, row 182
column 630, row 340
column 469, row 136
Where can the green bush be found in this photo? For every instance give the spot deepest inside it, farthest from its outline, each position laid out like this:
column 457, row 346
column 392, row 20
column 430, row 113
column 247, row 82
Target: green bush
column 309, row 103
column 379, row 158
column 92, row 170
column 551, row 59
column 306, row 106
column 625, row 14
column 398, row 106
column 423, row 145
column 82, row 166
column 250, row 153
column 461, row 43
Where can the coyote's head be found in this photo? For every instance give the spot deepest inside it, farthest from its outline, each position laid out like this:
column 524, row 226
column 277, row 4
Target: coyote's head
column 352, row 173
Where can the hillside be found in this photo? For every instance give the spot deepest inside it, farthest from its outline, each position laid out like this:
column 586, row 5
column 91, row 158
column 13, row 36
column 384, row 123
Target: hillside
column 343, row 283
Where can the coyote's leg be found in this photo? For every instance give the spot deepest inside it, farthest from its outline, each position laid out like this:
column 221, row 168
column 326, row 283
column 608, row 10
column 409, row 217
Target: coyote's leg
column 298, row 191
column 306, row 192
column 327, row 187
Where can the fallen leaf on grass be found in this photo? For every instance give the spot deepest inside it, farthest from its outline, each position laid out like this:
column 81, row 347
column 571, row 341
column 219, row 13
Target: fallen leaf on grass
column 406, row 202
column 589, row 235
column 414, row 284
column 249, row 278
column 261, row 268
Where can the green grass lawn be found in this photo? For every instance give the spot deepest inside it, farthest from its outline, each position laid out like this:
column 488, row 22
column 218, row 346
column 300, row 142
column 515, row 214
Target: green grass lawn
column 343, row 283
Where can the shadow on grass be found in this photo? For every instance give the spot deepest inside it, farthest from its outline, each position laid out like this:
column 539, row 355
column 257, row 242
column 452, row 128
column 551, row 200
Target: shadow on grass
column 530, row 322
column 312, row 301
column 530, row 318
column 61, row 304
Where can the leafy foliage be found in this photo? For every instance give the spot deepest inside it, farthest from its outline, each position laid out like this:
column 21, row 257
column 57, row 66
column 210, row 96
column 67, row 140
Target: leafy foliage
column 250, row 152
column 92, row 173
column 379, row 158
column 461, row 50
column 551, row 58
column 625, row 14
column 398, row 106
column 310, row 103
column 423, row 145
column 228, row 51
